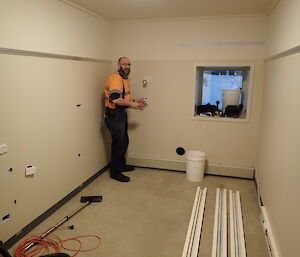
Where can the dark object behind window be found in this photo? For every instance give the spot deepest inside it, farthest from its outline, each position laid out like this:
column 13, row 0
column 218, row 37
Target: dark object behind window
column 208, row 108
column 233, row 110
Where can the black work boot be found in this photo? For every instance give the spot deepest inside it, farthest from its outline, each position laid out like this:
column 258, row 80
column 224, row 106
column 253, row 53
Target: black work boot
column 128, row 168
column 120, row 177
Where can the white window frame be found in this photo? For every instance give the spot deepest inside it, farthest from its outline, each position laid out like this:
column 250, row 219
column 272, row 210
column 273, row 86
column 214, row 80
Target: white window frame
column 250, row 64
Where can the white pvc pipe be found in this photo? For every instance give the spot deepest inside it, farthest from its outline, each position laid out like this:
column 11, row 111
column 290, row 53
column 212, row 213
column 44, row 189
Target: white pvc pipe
column 236, row 234
column 237, row 237
column 219, row 247
column 242, row 248
column 188, row 240
column 216, row 224
column 197, row 233
column 224, row 224
column 231, row 227
column 194, row 226
column 191, row 245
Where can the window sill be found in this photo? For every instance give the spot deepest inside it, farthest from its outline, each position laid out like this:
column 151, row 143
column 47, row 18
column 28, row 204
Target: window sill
column 220, row 119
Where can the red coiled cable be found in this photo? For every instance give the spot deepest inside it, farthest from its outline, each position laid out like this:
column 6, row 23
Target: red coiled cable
column 51, row 244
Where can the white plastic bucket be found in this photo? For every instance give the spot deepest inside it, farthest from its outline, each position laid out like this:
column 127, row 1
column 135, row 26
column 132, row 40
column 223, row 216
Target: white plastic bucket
column 195, row 165
column 231, row 97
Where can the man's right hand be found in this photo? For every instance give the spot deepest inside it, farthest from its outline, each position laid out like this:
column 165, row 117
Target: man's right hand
column 138, row 105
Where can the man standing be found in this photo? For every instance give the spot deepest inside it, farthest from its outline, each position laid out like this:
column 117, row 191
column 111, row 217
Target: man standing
column 117, row 99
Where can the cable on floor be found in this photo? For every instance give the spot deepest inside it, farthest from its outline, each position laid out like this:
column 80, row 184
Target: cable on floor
column 50, row 244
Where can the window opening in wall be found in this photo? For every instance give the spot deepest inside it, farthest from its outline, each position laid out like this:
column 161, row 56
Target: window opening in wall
column 222, row 91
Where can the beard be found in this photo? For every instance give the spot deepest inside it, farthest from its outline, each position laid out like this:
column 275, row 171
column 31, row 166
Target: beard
column 124, row 73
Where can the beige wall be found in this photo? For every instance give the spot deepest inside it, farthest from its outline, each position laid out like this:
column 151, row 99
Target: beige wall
column 163, row 40
column 283, row 27
column 278, row 155
column 52, row 27
column 278, row 163
column 167, row 123
column 40, row 122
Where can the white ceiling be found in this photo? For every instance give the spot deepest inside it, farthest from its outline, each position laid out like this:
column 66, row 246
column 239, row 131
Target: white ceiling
column 116, row 10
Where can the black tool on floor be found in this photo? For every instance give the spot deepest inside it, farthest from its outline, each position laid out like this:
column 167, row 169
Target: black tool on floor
column 91, row 199
column 4, row 252
column 84, row 199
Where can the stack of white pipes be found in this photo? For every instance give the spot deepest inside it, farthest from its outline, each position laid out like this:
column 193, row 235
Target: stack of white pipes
column 192, row 240
column 219, row 246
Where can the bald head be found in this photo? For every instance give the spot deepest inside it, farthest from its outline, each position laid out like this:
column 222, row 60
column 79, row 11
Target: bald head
column 123, row 59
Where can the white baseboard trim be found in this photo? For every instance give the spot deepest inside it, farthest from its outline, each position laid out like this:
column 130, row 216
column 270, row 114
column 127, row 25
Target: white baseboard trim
column 210, row 168
column 257, row 183
column 272, row 247
column 271, row 244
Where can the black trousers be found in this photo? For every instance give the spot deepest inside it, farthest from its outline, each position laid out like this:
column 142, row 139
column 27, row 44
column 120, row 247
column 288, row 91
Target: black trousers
column 116, row 121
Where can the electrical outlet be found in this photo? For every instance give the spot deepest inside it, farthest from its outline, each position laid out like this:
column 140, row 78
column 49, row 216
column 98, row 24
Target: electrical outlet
column 3, row 148
column 30, row 170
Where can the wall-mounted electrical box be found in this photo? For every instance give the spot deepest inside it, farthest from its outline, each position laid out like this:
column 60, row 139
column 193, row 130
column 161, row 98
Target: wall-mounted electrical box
column 3, row 148
column 145, row 81
column 30, row 170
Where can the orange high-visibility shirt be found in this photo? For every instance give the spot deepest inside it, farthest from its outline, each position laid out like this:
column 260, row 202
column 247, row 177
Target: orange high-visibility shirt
column 114, row 84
